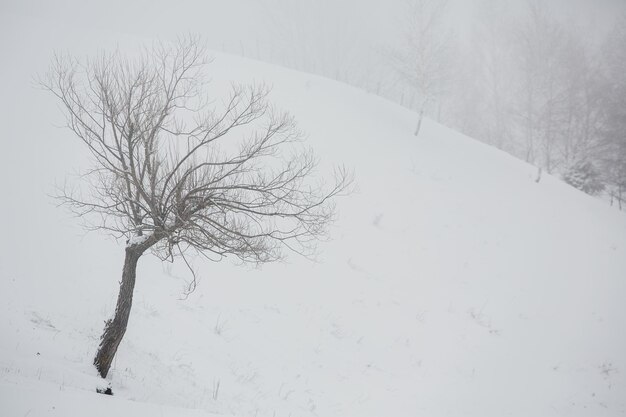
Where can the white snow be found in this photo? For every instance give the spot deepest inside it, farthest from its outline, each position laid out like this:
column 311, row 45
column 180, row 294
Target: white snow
column 138, row 240
column 455, row 285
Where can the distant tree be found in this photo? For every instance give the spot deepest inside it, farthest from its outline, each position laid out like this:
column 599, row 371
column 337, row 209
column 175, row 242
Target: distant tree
column 579, row 117
column 584, row 176
column 539, row 43
column 484, row 74
column 613, row 105
column 424, row 61
column 173, row 172
column 556, row 100
column 494, row 53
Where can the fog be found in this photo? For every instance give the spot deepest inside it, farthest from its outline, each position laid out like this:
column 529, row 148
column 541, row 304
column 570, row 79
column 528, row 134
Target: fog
column 455, row 269
column 345, row 39
column 516, row 74
column 320, row 35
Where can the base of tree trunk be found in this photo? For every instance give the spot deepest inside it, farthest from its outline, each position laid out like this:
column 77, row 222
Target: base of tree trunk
column 105, row 391
column 114, row 329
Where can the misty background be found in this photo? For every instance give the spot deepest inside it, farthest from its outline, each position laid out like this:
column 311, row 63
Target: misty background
column 541, row 80
column 451, row 272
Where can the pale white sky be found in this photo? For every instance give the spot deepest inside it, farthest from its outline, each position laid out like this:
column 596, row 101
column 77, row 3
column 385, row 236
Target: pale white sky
column 275, row 23
column 342, row 39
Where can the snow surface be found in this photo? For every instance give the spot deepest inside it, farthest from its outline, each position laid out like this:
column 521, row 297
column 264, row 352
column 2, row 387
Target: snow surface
column 455, row 285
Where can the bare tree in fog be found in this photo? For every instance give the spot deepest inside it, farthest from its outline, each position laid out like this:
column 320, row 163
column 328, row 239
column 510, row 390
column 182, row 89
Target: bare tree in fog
column 423, row 61
column 539, row 45
column 533, row 84
column 557, row 107
column 613, row 104
column 173, row 173
column 492, row 54
column 479, row 99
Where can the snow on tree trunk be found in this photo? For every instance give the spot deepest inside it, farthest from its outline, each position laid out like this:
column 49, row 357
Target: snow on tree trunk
column 114, row 329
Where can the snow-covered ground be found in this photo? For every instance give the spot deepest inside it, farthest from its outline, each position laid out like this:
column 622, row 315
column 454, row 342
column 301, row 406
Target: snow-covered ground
column 454, row 285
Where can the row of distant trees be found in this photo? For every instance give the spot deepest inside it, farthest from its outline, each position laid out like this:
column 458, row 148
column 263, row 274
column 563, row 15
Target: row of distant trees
column 523, row 77
column 527, row 83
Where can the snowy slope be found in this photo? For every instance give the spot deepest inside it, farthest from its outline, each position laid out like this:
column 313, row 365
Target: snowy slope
column 455, row 285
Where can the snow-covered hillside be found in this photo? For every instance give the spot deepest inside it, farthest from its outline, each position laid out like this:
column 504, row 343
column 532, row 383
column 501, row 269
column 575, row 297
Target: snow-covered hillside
column 455, row 285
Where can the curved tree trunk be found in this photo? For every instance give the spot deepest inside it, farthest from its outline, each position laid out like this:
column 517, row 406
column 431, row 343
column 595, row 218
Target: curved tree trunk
column 114, row 329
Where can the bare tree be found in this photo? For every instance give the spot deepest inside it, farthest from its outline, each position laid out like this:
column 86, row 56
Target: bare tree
column 423, row 63
column 491, row 53
column 613, row 109
column 173, row 172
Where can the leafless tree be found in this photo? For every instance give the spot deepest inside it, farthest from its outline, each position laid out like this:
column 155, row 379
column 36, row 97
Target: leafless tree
column 555, row 103
column 613, row 109
column 174, row 172
column 491, row 72
column 423, row 62
column 540, row 44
